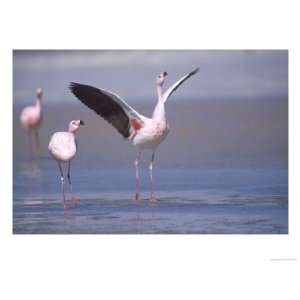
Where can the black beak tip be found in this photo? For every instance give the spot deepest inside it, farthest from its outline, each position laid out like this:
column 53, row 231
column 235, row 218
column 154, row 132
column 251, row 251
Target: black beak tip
column 165, row 73
column 81, row 122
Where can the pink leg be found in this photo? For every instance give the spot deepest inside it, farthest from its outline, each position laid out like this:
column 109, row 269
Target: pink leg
column 137, row 177
column 62, row 186
column 37, row 143
column 30, row 144
column 152, row 197
column 74, row 199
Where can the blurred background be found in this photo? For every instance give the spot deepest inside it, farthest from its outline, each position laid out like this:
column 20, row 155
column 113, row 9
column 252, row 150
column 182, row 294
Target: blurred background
column 234, row 113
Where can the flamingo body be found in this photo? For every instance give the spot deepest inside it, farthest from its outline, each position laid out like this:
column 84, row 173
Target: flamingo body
column 151, row 135
column 31, row 118
column 62, row 146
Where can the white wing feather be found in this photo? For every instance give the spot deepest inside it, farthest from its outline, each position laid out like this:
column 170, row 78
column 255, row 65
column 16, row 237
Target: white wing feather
column 174, row 87
column 128, row 109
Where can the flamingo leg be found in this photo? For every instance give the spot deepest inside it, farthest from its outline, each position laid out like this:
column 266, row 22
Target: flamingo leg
column 152, row 197
column 73, row 198
column 137, row 177
column 62, row 185
column 37, row 142
column 30, row 144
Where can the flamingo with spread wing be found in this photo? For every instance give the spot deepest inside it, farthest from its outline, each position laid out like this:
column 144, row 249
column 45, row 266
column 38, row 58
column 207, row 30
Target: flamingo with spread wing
column 143, row 132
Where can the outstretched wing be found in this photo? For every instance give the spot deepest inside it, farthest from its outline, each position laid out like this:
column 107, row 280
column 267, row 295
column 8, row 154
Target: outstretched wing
column 108, row 105
column 175, row 86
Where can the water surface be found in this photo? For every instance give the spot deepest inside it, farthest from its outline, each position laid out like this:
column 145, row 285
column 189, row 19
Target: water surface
column 222, row 169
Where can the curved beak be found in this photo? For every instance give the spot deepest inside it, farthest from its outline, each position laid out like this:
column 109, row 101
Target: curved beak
column 81, row 122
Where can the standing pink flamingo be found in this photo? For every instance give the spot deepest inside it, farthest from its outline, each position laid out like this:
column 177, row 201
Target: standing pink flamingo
column 63, row 147
column 146, row 133
column 31, row 118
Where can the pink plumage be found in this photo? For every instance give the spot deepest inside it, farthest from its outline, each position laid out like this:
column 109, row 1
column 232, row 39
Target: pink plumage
column 31, row 118
column 63, row 147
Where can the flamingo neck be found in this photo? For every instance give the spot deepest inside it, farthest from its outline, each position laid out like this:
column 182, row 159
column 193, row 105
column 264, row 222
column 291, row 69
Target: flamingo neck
column 159, row 110
column 38, row 102
column 159, row 92
column 72, row 130
column 159, row 113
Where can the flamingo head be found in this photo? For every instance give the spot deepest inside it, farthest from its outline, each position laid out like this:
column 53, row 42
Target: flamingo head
column 160, row 79
column 74, row 125
column 39, row 93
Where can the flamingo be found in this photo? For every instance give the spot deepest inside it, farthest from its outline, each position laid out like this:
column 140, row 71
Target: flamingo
column 62, row 147
column 143, row 132
column 31, row 118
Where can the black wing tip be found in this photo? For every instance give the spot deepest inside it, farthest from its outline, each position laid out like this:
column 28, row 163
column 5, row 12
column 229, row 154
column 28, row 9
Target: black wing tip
column 195, row 71
column 73, row 86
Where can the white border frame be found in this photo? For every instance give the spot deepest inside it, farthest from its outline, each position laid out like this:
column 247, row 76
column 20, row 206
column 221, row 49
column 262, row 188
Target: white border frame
column 149, row 267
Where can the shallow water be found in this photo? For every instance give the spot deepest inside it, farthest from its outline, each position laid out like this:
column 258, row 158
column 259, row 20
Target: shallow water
column 190, row 200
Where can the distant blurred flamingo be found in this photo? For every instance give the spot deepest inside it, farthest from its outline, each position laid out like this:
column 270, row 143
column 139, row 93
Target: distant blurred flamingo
column 63, row 148
column 146, row 133
column 31, row 119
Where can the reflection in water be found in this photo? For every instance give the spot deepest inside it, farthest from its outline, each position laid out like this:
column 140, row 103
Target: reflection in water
column 144, row 217
column 152, row 223
column 30, row 169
